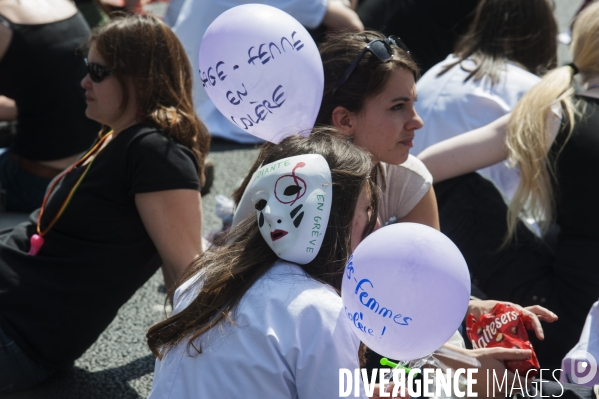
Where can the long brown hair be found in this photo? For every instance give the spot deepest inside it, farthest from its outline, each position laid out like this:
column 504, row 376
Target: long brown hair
column 230, row 270
column 527, row 128
column 143, row 50
column 509, row 30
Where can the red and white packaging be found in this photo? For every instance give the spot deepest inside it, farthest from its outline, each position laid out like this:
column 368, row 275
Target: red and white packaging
column 504, row 327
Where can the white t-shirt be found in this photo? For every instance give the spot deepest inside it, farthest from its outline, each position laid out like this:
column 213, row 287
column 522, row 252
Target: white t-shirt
column 406, row 184
column 289, row 342
column 449, row 106
column 193, row 20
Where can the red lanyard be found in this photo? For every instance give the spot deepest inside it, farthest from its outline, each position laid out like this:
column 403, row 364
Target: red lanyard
column 37, row 240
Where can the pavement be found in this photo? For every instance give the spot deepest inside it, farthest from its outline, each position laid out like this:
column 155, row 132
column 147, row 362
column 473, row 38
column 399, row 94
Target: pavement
column 119, row 364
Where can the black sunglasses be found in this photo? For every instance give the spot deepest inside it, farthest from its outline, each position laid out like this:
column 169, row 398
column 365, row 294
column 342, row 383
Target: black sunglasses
column 97, row 72
column 380, row 48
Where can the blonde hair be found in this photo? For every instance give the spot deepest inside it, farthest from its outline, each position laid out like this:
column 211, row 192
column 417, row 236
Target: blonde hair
column 526, row 133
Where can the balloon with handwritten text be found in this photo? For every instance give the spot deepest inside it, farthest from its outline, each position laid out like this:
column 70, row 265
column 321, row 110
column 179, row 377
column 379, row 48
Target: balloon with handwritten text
column 405, row 290
column 262, row 70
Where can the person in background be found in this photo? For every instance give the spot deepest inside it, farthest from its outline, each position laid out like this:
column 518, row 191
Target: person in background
column 129, row 205
column 508, row 46
column 40, row 72
column 552, row 139
column 430, row 28
column 369, row 95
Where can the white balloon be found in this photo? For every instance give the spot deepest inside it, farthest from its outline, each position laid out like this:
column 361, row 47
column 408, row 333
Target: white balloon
column 262, row 70
column 405, row 290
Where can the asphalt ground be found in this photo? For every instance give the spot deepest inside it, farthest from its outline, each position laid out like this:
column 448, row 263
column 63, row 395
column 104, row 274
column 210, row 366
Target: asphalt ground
column 119, row 364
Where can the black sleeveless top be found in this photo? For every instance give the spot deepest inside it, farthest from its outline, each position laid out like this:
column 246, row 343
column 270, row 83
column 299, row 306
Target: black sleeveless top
column 577, row 169
column 42, row 73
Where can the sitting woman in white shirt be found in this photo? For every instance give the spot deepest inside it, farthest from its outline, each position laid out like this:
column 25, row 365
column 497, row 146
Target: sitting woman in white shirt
column 261, row 316
column 491, row 69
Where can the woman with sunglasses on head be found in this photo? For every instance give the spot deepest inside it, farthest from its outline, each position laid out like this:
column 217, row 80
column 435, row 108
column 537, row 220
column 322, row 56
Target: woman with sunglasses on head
column 261, row 316
column 40, row 91
column 369, row 94
column 129, row 205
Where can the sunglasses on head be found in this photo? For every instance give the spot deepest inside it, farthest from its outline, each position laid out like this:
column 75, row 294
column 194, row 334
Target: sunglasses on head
column 380, row 48
column 97, row 72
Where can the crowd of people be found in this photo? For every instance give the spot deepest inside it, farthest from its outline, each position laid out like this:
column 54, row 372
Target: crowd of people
column 113, row 129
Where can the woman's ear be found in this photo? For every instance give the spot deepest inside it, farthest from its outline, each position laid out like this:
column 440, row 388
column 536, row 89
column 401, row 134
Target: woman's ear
column 342, row 119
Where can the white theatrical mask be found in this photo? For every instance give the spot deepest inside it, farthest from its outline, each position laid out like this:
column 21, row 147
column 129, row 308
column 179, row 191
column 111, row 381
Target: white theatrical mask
column 293, row 199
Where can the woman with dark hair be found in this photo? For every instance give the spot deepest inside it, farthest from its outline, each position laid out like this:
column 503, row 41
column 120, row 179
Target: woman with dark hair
column 131, row 203
column 508, row 46
column 552, row 139
column 261, row 316
column 369, row 94
column 39, row 77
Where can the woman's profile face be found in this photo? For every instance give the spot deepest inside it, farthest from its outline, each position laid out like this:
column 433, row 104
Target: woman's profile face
column 104, row 98
column 387, row 123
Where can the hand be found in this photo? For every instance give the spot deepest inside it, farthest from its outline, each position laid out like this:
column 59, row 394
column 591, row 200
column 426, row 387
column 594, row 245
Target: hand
column 491, row 361
column 536, row 313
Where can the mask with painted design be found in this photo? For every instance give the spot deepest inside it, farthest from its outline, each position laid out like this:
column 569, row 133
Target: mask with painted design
column 293, row 198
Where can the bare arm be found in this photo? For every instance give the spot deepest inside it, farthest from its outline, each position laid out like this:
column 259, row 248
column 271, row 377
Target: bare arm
column 341, row 17
column 5, row 38
column 467, row 152
column 173, row 219
column 425, row 212
column 8, row 109
column 492, row 361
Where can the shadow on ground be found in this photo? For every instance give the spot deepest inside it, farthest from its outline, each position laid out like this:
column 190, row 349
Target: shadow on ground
column 81, row 384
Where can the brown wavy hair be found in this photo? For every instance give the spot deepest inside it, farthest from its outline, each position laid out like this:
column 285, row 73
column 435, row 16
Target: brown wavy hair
column 144, row 50
column 230, row 270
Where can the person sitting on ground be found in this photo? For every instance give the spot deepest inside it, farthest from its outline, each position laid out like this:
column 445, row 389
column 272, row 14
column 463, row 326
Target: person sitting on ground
column 508, row 46
column 40, row 72
column 106, row 224
column 265, row 305
column 551, row 138
column 491, row 69
column 374, row 106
